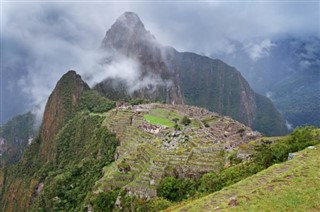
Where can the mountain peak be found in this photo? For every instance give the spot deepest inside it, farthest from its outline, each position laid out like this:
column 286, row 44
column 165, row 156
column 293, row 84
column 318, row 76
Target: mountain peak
column 126, row 33
column 130, row 20
column 61, row 104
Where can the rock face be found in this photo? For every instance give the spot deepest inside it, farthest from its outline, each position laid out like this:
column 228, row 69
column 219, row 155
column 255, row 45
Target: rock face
column 128, row 37
column 61, row 104
column 185, row 77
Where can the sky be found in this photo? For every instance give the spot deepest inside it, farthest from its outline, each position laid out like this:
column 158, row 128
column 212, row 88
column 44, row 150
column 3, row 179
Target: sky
column 40, row 41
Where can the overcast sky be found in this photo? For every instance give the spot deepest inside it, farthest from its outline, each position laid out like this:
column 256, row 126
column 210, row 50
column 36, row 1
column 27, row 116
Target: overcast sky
column 41, row 41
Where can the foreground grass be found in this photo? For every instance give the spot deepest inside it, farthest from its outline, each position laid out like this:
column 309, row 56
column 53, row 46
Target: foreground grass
column 290, row 186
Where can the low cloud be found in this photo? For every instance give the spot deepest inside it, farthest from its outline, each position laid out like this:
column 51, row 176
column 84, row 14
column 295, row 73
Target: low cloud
column 103, row 66
column 259, row 50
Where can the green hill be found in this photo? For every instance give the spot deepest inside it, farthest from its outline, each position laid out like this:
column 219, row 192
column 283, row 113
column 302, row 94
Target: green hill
column 94, row 154
column 290, row 186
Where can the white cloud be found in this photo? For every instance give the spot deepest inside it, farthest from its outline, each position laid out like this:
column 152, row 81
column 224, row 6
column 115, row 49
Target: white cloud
column 260, row 50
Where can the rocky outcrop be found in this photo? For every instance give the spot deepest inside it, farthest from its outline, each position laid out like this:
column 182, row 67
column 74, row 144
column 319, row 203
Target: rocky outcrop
column 61, row 104
column 184, row 78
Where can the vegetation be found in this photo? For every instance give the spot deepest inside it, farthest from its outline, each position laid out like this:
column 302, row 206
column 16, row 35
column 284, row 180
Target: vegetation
column 136, row 204
column 266, row 154
column 289, row 186
column 95, row 103
column 104, row 201
column 185, row 121
column 139, row 101
column 264, row 122
column 176, row 189
column 83, row 149
column 16, row 133
column 158, row 120
column 163, row 117
column 270, row 153
column 299, row 103
column 80, row 151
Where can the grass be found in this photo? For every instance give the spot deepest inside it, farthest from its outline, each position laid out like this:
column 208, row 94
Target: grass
column 158, row 120
column 195, row 124
column 290, row 186
column 164, row 113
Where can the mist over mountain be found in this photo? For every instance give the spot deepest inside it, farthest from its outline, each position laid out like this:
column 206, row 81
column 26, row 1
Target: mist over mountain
column 166, row 75
column 43, row 40
column 136, row 125
column 287, row 70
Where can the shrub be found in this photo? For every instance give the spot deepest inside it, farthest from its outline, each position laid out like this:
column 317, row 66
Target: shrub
column 177, row 189
column 268, row 153
column 185, row 121
column 95, row 103
column 104, row 201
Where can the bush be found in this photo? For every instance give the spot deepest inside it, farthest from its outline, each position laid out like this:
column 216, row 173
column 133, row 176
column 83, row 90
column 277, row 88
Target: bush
column 139, row 101
column 95, row 103
column 268, row 153
column 104, row 201
column 185, row 121
column 177, row 189
column 212, row 182
column 158, row 204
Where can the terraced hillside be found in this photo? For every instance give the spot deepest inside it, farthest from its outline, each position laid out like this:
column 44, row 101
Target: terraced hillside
column 155, row 141
column 290, row 186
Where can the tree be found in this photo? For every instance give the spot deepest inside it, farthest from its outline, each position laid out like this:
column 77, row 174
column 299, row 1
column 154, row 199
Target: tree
column 185, row 121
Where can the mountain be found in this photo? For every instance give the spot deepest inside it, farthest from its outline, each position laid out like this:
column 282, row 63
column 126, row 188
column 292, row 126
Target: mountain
column 287, row 71
column 86, row 149
column 92, row 154
column 166, row 75
column 70, row 144
column 15, row 136
column 60, row 106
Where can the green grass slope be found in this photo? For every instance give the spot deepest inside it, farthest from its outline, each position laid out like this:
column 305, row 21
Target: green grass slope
column 290, row 186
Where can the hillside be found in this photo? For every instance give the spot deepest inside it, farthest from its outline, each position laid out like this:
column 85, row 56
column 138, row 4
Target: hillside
column 298, row 98
column 152, row 145
column 72, row 147
column 70, row 164
column 288, row 73
column 290, row 186
column 163, row 74
column 60, row 107
column 95, row 154
column 15, row 136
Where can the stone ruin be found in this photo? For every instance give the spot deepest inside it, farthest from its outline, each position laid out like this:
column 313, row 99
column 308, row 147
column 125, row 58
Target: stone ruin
column 123, row 105
column 150, row 128
column 173, row 140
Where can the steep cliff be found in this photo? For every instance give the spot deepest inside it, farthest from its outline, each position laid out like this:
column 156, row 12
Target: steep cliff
column 61, row 105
